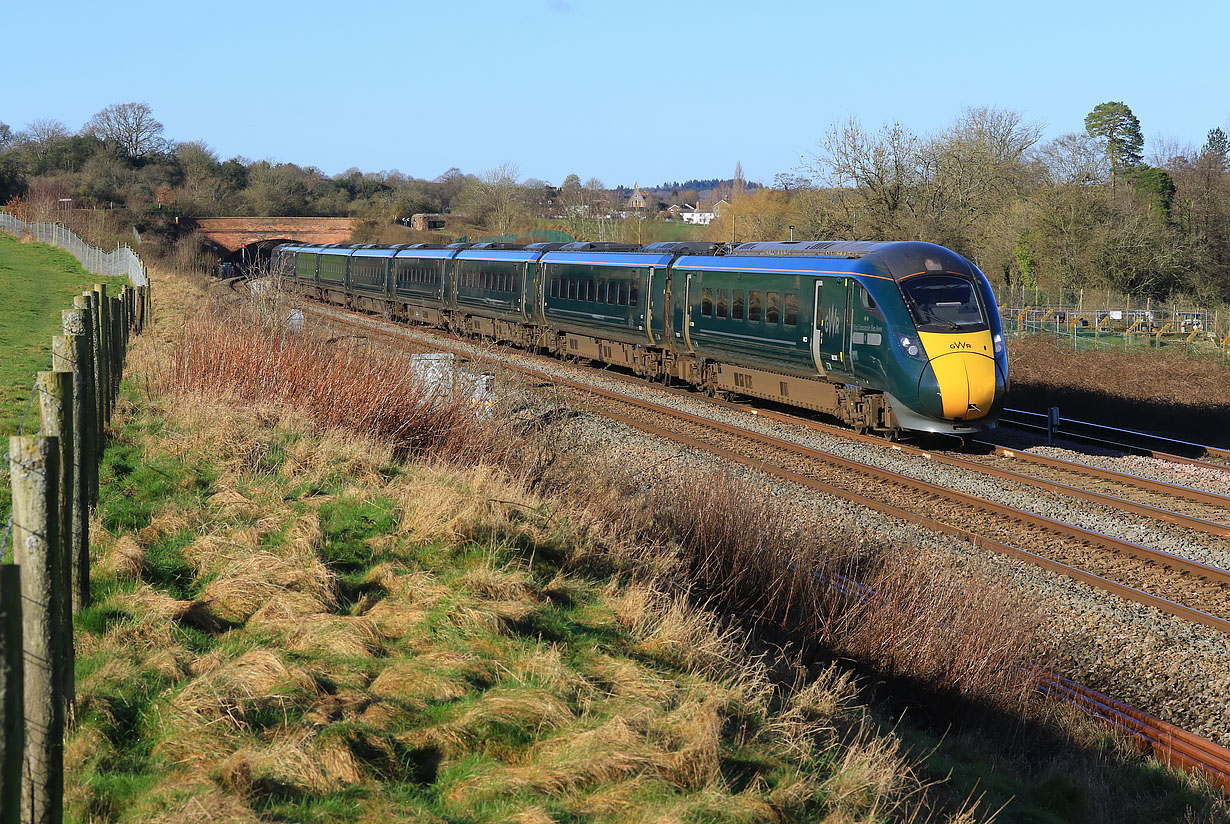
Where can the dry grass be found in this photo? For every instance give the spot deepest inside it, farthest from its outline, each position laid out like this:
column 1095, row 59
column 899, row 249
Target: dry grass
column 893, row 607
column 340, row 384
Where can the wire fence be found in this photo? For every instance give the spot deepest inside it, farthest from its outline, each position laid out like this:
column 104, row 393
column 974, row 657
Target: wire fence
column 121, row 261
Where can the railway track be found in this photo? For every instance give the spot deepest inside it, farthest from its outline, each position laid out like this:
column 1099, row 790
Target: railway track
column 1170, row 744
column 1177, row 586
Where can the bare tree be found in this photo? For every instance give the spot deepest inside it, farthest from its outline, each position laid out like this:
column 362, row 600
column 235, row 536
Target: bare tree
column 495, row 198
column 131, row 126
column 1074, row 159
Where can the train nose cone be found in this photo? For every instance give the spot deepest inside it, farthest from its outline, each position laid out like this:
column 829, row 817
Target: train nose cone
column 959, row 386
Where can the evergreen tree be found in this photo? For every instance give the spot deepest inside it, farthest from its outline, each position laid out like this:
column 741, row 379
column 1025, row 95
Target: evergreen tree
column 1217, row 144
column 1115, row 125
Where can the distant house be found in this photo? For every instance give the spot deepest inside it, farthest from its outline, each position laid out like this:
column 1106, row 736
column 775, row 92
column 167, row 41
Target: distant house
column 690, row 214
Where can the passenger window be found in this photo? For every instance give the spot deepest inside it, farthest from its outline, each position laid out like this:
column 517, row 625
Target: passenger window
column 736, row 305
column 722, row 302
column 772, row 307
column 792, row 309
column 753, row 306
column 706, row 303
column 632, row 293
column 623, row 293
column 602, row 291
column 555, row 287
column 572, row 289
column 591, row 293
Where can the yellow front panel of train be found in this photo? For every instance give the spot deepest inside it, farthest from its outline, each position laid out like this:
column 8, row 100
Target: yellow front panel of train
column 964, row 366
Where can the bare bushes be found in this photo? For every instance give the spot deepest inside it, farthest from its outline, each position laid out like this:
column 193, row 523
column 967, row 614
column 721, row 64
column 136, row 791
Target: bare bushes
column 892, row 607
column 340, row 383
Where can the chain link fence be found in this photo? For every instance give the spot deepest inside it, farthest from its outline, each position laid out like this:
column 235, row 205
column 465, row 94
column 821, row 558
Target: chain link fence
column 122, row 261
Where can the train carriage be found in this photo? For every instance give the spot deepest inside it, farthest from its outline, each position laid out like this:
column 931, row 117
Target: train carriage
column 605, row 303
column 419, row 283
column 495, row 288
column 369, row 277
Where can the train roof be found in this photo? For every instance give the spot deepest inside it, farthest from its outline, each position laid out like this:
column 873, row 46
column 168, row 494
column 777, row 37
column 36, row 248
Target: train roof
column 513, row 255
column 896, row 260
column 633, row 259
column 427, row 254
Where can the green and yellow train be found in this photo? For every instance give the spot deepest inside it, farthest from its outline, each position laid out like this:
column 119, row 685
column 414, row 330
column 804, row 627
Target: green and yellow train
column 885, row 336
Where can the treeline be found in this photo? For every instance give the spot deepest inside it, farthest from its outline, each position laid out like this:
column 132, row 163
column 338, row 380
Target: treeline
column 121, row 159
column 1084, row 210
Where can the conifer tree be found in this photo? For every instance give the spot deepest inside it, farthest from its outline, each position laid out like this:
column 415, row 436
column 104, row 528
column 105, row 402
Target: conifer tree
column 1115, row 125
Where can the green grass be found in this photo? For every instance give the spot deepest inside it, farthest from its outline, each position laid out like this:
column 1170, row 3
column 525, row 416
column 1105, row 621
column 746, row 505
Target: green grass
column 37, row 281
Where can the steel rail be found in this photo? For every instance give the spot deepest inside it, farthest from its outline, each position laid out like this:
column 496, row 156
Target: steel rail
column 1171, row 745
column 1177, row 490
column 1114, row 501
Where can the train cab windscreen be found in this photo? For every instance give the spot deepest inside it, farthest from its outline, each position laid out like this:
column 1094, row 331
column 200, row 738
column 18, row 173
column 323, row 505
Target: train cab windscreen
column 943, row 303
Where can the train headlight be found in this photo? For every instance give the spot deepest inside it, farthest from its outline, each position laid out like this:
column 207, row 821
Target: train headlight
column 912, row 348
column 998, row 340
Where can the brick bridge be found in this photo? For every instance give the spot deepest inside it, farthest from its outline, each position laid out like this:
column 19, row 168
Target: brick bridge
column 230, row 234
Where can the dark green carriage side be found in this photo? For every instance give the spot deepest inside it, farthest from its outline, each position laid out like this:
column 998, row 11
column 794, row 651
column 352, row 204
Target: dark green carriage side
column 748, row 318
column 332, row 267
column 878, row 322
column 305, row 266
column 370, row 275
column 613, row 297
column 419, row 280
column 491, row 288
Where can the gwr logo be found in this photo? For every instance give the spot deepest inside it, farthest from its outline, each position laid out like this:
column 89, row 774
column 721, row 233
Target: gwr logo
column 960, row 344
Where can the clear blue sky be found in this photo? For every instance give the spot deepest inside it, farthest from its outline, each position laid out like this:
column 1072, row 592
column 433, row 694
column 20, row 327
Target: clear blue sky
column 622, row 90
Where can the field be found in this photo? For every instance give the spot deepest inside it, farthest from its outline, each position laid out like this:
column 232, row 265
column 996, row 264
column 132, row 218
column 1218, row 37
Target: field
column 1163, row 391
column 38, row 281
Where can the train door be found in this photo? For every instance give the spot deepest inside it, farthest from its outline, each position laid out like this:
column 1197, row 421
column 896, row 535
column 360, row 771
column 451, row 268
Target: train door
column 830, row 342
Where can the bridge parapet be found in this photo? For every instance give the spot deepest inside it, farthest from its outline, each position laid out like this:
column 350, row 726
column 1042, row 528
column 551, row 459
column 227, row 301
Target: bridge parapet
column 232, row 233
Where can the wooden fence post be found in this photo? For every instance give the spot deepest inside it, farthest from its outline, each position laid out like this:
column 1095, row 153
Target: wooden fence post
column 104, row 338
column 12, row 686
column 117, row 351
column 79, row 541
column 34, row 472
column 92, row 316
column 82, row 304
column 55, row 396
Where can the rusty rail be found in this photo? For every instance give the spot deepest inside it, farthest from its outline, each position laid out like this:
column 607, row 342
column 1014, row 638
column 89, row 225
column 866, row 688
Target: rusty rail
column 1169, row 744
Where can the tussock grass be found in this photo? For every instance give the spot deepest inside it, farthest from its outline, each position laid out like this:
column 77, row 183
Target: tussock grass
column 295, row 624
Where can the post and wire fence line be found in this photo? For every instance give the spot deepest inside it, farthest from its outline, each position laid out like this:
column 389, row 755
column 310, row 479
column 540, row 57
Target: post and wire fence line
column 1105, row 321
column 121, row 261
column 54, row 481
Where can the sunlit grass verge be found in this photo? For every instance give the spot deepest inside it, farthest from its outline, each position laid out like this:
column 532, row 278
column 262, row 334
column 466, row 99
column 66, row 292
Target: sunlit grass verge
column 294, row 624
